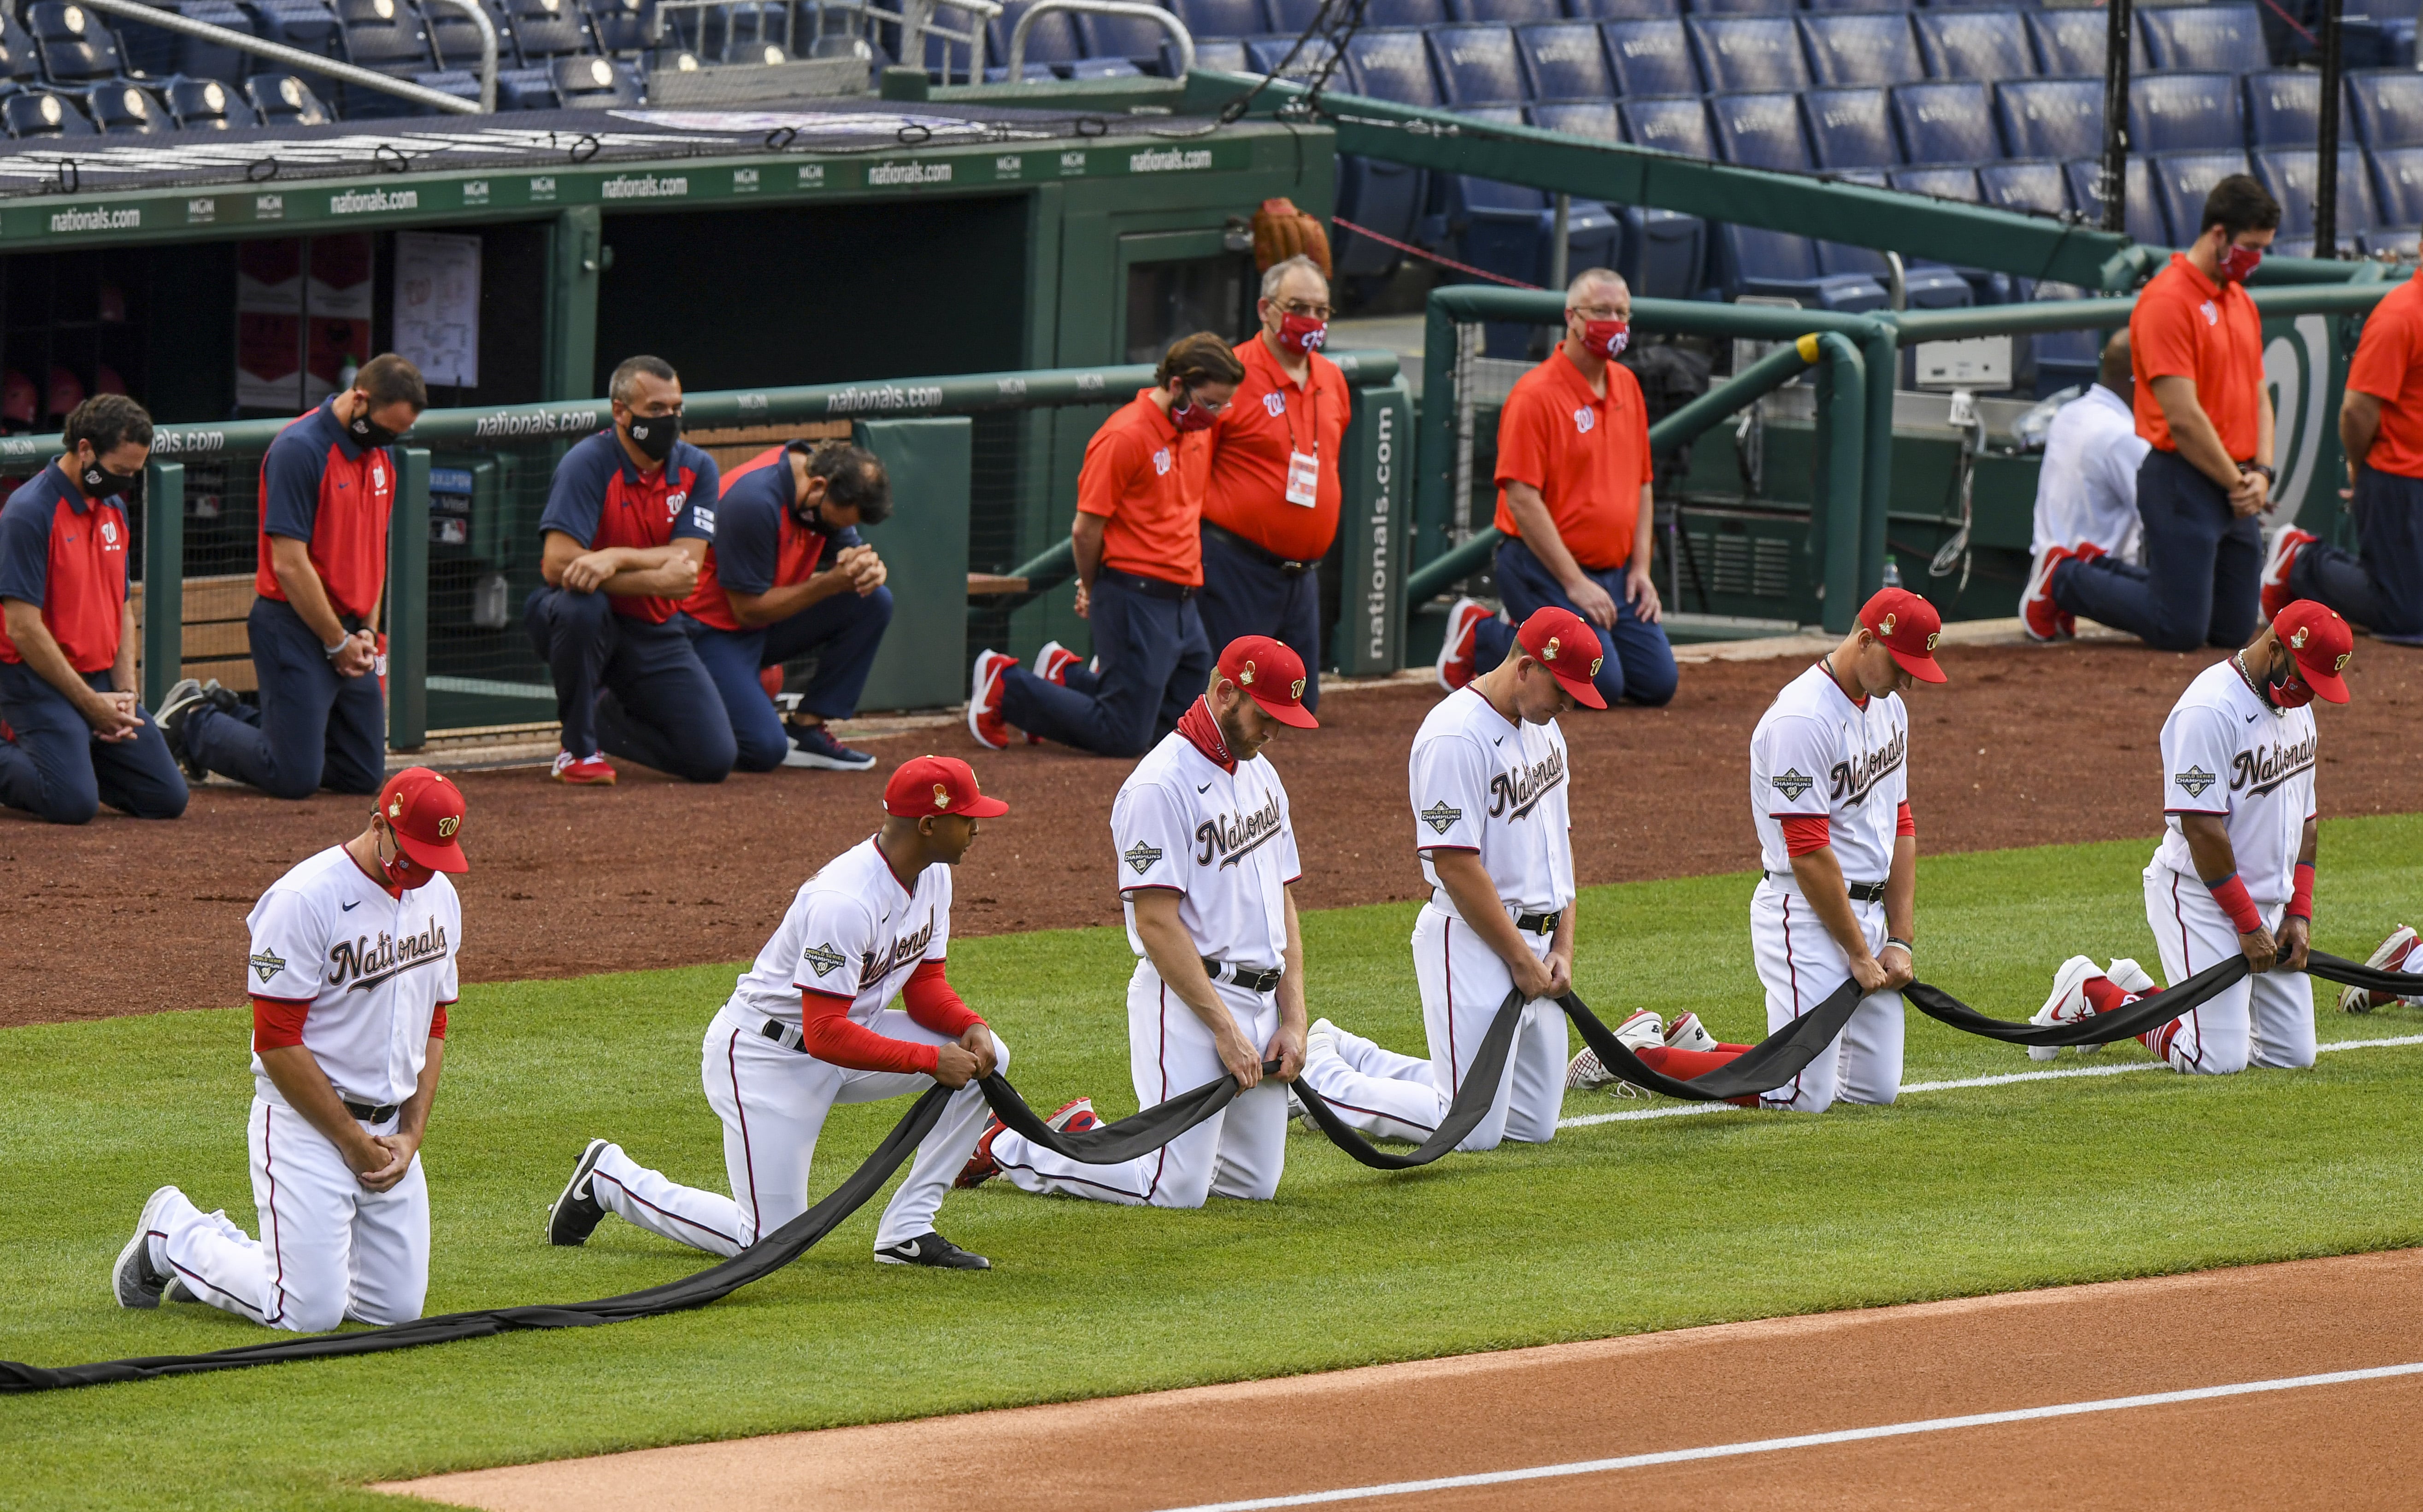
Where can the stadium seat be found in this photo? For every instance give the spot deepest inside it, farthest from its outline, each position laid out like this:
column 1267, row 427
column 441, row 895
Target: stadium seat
column 1651, row 58
column 1053, row 39
column 2398, row 186
column 2186, row 113
column 526, row 90
column 2404, row 241
column 463, row 83
column 596, row 83
column 1663, row 253
column 1776, row 265
column 1623, row 9
column 2143, row 216
column 1671, row 125
column 2291, row 175
column 385, row 36
column 1943, row 182
column 1506, row 13
column 1134, row 38
column 1974, row 44
column 1221, row 55
column 1510, row 230
column 308, row 25
column 2283, row 109
column 1594, row 119
column 1760, row 131
column 1268, row 54
column 208, row 105
column 1945, row 123
column 1746, row 54
column 160, row 52
column 546, row 29
column 1850, row 129
column 621, row 27
column 1221, row 18
column 1391, row 65
column 1565, row 60
column 283, row 99
column 1477, row 65
column 2388, row 107
column 1388, row 198
column 72, row 44
column 2063, row 360
column 455, row 37
column 754, row 50
column 1852, row 48
column 1104, row 68
column 30, row 114
column 1925, row 285
column 123, row 108
column 1823, row 6
column 2037, row 186
column 2050, row 117
column 17, row 62
column 1293, row 17
column 2069, row 42
column 2214, row 39
column 2181, row 181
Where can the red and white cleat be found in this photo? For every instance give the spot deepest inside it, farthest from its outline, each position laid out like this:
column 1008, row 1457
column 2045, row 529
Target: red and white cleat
column 1456, row 652
column 1688, row 1033
column 581, row 772
column 2282, row 556
column 984, row 700
column 1075, row 1116
column 2037, row 611
column 1053, row 662
column 2396, row 953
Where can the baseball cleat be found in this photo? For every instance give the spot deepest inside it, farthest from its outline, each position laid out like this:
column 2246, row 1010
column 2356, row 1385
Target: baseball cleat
column 177, row 1291
column 170, row 716
column 2068, row 1004
column 135, row 1279
column 577, row 1211
column 1075, row 1116
column 1688, row 1033
column 930, row 1248
column 2276, row 566
column 2037, row 611
column 1643, row 1030
column 1321, row 1039
column 984, row 700
column 813, row 746
column 1053, row 662
column 2394, row 954
column 2129, row 977
column 1586, row 1073
column 581, row 772
column 1457, row 651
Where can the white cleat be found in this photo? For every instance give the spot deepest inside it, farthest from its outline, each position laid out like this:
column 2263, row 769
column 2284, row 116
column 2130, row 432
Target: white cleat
column 1321, row 1039
column 1457, row 651
column 1587, row 1072
column 1643, row 1030
column 1688, row 1033
column 2394, row 955
column 2068, row 1004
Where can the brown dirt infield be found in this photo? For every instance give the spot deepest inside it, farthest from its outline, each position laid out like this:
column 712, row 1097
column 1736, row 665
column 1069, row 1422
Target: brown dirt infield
column 2336, row 1446
column 2026, row 746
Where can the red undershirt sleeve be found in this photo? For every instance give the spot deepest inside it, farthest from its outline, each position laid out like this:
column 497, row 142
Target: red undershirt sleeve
column 1804, row 833
column 930, row 1000
column 1903, row 823
column 438, row 1022
column 276, row 1023
column 829, row 1033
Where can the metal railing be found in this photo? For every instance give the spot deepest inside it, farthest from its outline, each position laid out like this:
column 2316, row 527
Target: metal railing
column 295, row 58
column 1158, row 17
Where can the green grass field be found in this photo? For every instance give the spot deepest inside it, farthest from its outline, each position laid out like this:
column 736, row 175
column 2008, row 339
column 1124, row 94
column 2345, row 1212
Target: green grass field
column 1613, row 1229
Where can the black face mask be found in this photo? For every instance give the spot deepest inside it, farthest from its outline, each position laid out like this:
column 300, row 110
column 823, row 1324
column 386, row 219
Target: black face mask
column 655, row 434
column 367, row 433
column 99, row 483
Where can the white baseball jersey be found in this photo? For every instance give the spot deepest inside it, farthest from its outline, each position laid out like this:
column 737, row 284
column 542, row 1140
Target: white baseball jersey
column 852, row 932
column 1222, row 840
column 1815, row 752
column 373, row 967
column 2086, row 490
column 1482, row 784
column 2227, row 751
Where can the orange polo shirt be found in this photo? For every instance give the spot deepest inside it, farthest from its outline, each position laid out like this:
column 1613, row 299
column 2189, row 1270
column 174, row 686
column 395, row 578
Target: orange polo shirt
column 1272, row 418
column 2185, row 327
column 1587, row 455
column 2388, row 365
column 1131, row 477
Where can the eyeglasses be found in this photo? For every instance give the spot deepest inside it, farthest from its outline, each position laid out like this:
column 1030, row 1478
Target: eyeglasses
column 1597, row 311
column 1300, row 307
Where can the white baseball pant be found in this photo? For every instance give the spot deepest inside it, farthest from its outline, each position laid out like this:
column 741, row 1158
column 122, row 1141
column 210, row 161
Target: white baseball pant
column 773, row 1101
column 330, row 1250
column 2261, row 1020
column 1462, row 983
column 1237, row 1151
column 1801, row 966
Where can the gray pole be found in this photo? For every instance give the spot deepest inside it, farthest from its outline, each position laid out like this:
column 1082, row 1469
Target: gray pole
column 2326, row 172
column 2112, row 177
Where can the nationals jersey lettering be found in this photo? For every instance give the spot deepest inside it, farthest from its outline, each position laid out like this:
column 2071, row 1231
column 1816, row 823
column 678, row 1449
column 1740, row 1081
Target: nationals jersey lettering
column 1814, row 753
column 1478, row 783
column 2229, row 753
column 1222, row 840
column 851, row 932
column 373, row 969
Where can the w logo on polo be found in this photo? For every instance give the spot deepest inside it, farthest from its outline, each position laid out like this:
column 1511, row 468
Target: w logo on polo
column 1275, row 403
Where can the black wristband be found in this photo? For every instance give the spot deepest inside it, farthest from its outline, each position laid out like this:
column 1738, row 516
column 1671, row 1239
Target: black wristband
column 1908, row 949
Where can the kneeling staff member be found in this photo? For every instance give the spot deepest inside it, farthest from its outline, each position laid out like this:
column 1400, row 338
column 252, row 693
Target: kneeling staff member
column 1208, row 868
column 1488, row 783
column 807, row 1028
column 353, row 968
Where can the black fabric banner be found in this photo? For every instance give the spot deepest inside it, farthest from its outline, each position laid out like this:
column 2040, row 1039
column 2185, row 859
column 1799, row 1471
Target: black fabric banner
column 2149, row 1011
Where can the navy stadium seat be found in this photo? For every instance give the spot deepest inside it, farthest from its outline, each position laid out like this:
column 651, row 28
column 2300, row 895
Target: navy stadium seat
column 1850, row 129
column 738, row 50
column 545, row 30
column 121, row 109
column 1925, row 285
column 1478, row 65
column 2398, row 186
column 18, row 63
column 1388, row 198
column 1221, row 18
column 463, row 83
column 1944, row 183
column 1221, row 55
column 2290, row 174
column 208, row 105
column 2185, row 113
column 2283, row 109
column 1740, row 54
column 2402, row 242
column 2038, row 186
column 39, row 113
column 1945, row 123
column 2388, row 107
column 621, row 27
column 2143, row 216
column 308, row 25
column 598, row 84
column 455, row 37
column 2063, row 360
column 1760, row 131
column 1776, row 264
column 2069, row 42
column 160, row 52
column 1623, row 9
column 1506, row 13
column 1974, row 44
column 385, row 36
column 283, row 99
column 2050, row 117
column 1671, row 125
column 1852, row 48
column 1739, row 8
column 2219, row 38
column 2181, row 181
column 1594, row 119
column 1391, row 65
column 1132, row 38
column 1664, row 252
column 526, row 90
column 1293, row 17
column 1510, row 230
column 1858, row 5
column 1053, row 39
column 1650, row 57
column 72, row 44
column 1565, row 61
column 1268, row 55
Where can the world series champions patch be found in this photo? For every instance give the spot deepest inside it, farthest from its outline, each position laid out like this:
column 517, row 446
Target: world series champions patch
column 1792, row 784
column 1440, row 817
column 1141, row 856
column 823, row 960
column 267, row 965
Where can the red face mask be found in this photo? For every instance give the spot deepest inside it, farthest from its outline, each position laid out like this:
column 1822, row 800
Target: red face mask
column 1605, row 338
column 1302, row 333
column 1189, row 416
column 2238, row 263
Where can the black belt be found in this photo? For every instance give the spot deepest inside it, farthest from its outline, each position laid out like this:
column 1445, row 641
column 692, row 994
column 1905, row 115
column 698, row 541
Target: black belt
column 786, row 1035
column 1259, row 554
column 1260, row 981
column 1539, row 923
column 1149, row 587
column 1865, row 892
column 373, row 1115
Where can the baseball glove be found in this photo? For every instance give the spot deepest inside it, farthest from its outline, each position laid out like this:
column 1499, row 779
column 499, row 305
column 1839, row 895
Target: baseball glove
column 1282, row 232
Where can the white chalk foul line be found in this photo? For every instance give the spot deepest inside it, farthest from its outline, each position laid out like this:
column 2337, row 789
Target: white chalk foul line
column 1805, row 1440
column 1685, row 1109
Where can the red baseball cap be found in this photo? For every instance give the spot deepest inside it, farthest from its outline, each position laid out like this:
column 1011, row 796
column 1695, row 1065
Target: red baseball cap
column 424, row 812
column 1271, row 675
column 2321, row 643
column 938, row 784
column 1558, row 640
column 1909, row 627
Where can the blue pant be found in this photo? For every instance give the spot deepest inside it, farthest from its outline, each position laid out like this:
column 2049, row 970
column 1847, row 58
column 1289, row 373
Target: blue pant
column 315, row 727
column 56, row 769
column 844, row 630
column 2379, row 584
column 634, row 688
column 1635, row 661
column 1244, row 595
column 2202, row 583
column 1155, row 663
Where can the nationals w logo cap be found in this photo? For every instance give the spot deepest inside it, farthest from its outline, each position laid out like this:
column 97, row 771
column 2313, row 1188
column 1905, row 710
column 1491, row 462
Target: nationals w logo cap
column 424, row 812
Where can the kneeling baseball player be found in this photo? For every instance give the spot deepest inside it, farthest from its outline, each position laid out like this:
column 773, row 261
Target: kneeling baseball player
column 353, row 968
column 1208, row 866
column 1488, row 784
column 807, row 1028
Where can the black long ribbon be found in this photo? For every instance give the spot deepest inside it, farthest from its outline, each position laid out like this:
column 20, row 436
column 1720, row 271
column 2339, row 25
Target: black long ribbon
column 2149, row 1011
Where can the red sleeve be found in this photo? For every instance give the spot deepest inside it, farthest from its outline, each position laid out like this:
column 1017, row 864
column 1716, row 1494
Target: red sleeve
column 438, row 1022
column 1804, row 833
column 277, row 1023
column 830, row 1034
column 928, row 996
column 1903, row 823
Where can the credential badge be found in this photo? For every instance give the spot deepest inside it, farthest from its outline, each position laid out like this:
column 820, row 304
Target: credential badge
column 1440, row 817
column 1141, row 856
column 824, row 959
column 267, row 965
column 2195, row 780
column 1792, row 784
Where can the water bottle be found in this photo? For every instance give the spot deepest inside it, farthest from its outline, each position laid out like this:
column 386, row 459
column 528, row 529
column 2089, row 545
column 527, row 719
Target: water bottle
column 1893, row 573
